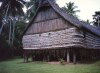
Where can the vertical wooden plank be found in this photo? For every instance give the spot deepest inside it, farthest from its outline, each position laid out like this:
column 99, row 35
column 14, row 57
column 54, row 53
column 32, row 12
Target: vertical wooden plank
column 50, row 13
column 53, row 24
column 39, row 27
column 36, row 27
column 38, row 17
column 43, row 15
column 42, row 27
column 56, row 24
column 48, row 23
column 47, row 13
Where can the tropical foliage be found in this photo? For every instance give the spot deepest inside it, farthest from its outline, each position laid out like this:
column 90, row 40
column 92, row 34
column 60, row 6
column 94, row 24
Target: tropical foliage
column 31, row 8
column 11, row 11
column 96, row 18
column 71, row 9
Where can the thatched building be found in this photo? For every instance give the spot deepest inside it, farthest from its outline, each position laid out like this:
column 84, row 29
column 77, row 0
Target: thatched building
column 53, row 34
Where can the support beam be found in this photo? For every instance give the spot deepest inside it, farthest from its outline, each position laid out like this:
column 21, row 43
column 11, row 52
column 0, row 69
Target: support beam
column 68, row 56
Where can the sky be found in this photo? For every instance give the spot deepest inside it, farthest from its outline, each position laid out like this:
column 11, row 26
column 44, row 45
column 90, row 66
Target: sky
column 87, row 7
column 0, row 3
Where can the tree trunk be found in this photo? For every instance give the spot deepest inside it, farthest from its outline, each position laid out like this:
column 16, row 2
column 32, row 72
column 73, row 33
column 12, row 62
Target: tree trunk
column 10, row 34
column 1, row 28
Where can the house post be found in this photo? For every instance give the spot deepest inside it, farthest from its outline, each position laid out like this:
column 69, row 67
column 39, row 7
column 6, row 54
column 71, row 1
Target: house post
column 74, row 56
column 68, row 56
column 25, row 55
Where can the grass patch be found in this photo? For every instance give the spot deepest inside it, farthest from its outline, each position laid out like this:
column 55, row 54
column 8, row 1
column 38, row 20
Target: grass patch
column 16, row 66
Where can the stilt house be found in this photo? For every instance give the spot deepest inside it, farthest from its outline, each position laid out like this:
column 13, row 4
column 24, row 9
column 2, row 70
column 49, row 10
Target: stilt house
column 53, row 34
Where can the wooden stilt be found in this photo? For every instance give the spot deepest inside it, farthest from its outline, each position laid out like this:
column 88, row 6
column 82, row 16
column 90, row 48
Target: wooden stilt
column 68, row 56
column 64, row 53
column 48, row 58
column 74, row 57
column 33, row 55
column 25, row 56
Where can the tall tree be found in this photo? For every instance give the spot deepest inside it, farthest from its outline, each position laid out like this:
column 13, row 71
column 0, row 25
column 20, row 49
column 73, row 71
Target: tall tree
column 31, row 6
column 96, row 19
column 30, row 9
column 9, row 9
column 70, row 8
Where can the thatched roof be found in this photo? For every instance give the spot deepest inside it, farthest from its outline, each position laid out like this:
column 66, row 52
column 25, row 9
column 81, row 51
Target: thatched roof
column 76, row 22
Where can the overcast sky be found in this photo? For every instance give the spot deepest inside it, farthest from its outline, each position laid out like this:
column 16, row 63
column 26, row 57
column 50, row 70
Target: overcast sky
column 86, row 7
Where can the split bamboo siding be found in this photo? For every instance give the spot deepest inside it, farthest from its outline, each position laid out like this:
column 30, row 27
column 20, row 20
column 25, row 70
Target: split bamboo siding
column 54, row 39
column 92, row 41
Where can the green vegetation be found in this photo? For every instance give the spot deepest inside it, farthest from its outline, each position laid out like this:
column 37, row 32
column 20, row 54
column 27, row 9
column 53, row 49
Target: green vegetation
column 16, row 66
column 71, row 8
column 96, row 19
column 62, row 62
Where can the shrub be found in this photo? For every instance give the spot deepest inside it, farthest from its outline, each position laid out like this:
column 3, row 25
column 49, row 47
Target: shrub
column 62, row 62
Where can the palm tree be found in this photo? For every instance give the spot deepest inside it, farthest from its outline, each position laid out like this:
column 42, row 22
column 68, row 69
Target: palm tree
column 9, row 9
column 96, row 19
column 71, row 8
column 31, row 6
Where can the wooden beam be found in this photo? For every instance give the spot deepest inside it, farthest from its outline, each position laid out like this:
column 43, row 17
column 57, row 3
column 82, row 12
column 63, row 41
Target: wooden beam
column 47, row 20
